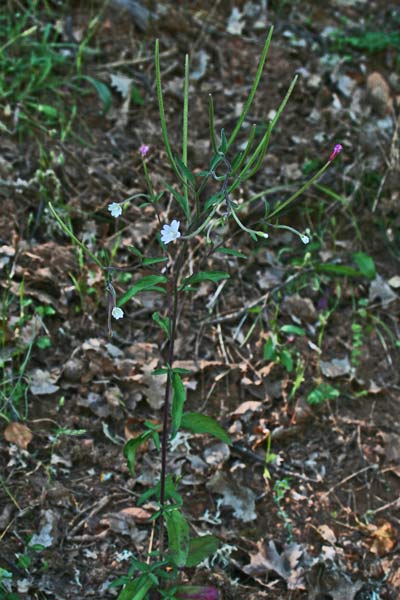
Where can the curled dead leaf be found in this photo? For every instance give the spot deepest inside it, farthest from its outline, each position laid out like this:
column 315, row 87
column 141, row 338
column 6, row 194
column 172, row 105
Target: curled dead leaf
column 19, row 434
column 383, row 539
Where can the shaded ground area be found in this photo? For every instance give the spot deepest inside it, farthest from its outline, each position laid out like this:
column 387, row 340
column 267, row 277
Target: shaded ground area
column 296, row 354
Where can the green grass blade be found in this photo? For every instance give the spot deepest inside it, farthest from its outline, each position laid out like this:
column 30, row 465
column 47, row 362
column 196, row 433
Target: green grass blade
column 185, row 130
column 211, row 124
column 160, row 100
column 253, row 89
column 67, row 230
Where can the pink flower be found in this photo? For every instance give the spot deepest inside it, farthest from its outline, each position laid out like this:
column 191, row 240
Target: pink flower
column 144, row 150
column 337, row 150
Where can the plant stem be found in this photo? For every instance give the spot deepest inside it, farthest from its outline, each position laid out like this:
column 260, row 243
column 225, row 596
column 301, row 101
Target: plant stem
column 173, row 312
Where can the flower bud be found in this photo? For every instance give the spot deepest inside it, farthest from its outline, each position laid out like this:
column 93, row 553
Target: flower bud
column 337, row 150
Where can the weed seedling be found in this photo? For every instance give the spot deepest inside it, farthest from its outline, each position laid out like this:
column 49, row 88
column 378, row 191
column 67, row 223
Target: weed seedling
column 185, row 244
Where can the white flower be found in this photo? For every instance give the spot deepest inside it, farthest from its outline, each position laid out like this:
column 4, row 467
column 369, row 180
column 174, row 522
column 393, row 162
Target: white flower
column 304, row 238
column 170, row 233
column 115, row 209
column 117, row 312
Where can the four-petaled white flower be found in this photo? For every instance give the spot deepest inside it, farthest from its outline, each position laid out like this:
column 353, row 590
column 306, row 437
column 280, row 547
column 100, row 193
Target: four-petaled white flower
column 115, row 209
column 144, row 150
column 117, row 312
column 170, row 233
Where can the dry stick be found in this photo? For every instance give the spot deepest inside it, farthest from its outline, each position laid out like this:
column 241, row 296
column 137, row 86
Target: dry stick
column 346, row 479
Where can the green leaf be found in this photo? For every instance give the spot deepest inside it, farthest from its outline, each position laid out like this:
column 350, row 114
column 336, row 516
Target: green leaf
column 43, row 342
column 224, row 143
column 205, row 276
column 198, row 423
column 337, row 270
column 286, row 360
column 322, row 392
column 181, row 200
column 215, row 162
column 178, row 401
column 45, row 109
column 161, row 371
column 185, row 171
column 136, row 590
column 270, row 350
column 154, row 261
column 135, row 251
column 131, row 447
column 200, row 548
column 214, row 199
column 162, row 322
column 136, row 95
column 293, row 330
column 231, row 252
column 178, row 537
column 366, row 264
column 102, row 90
column 148, row 282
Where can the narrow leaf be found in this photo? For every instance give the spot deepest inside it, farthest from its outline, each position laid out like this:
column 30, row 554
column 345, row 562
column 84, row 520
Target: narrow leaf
column 200, row 548
column 366, row 264
column 136, row 590
column 178, row 401
column 186, row 171
column 178, row 537
column 337, row 270
column 231, row 252
column 131, row 447
column 148, row 282
column 206, row 276
column 182, row 201
column 198, row 423
column 293, row 330
column 162, row 322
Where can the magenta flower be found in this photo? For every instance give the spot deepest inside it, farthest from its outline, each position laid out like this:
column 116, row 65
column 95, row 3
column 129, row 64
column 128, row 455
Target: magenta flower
column 197, row 592
column 337, row 150
column 144, row 150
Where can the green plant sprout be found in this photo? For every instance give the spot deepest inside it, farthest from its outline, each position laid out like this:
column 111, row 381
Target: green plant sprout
column 41, row 75
column 195, row 219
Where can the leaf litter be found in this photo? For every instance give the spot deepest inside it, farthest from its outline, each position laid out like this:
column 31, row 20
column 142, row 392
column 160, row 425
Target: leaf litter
column 93, row 384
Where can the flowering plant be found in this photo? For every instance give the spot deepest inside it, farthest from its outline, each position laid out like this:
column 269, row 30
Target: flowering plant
column 198, row 220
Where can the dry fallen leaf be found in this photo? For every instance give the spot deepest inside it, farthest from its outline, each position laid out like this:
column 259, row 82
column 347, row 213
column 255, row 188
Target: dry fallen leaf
column 242, row 499
column 286, row 564
column 327, row 534
column 383, row 539
column 19, row 434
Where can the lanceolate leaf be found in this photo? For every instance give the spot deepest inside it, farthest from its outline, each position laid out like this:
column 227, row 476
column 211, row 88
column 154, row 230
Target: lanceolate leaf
column 198, row 423
column 337, row 270
column 178, row 401
column 206, row 276
column 182, row 201
column 178, row 537
column 163, row 322
column 366, row 264
column 148, row 282
column 293, row 330
column 136, row 590
column 131, row 447
column 200, row 548
column 231, row 252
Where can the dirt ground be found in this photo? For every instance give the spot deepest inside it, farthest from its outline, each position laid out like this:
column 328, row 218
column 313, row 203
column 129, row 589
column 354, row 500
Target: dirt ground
column 325, row 524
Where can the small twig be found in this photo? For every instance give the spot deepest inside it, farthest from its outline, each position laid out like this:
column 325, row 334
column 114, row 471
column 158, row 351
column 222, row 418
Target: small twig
column 137, row 61
column 346, row 479
column 96, row 508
